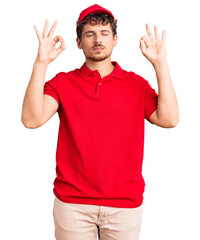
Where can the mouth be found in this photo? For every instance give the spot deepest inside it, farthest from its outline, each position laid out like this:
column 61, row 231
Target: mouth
column 97, row 49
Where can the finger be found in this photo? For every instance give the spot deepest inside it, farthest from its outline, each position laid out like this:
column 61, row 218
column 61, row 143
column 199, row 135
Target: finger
column 58, row 38
column 61, row 48
column 157, row 37
column 44, row 33
column 144, row 38
column 150, row 34
column 146, row 41
column 51, row 32
column 163, row 36
column 142, row 46
column 37, row 32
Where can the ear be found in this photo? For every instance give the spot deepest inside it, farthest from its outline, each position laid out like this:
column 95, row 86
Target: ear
column 79, row 44
column 115, row 40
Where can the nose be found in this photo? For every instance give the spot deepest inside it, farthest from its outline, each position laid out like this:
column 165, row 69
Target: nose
column 98, row 39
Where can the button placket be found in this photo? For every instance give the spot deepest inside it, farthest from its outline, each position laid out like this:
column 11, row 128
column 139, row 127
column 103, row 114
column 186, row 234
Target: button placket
column 97, row 85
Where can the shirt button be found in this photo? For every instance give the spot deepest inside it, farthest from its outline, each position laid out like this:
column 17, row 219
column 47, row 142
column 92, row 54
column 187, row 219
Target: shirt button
column 99, row 83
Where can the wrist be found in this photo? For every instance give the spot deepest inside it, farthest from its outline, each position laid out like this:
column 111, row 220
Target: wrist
column 160, row 65
column 41, row 63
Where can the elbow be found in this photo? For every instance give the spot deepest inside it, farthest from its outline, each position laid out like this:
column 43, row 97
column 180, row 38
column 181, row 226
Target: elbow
column 30, row 125
column 167, row 122
column 25, row 123
column 174, row 122
column 30, row 122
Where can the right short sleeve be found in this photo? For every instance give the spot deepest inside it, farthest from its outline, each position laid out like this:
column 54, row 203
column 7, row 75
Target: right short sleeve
column 51, row 88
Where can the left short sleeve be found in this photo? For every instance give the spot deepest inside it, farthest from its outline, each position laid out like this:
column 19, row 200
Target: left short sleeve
column 150, row 101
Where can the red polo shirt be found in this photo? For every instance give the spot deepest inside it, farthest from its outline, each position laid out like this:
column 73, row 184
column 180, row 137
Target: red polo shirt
column 101, row 135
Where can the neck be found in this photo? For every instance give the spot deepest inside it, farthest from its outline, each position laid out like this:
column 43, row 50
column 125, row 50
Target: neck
column 104, row 67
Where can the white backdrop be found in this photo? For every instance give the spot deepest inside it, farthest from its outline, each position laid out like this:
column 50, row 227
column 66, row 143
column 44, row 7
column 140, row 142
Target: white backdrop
column 171, row 156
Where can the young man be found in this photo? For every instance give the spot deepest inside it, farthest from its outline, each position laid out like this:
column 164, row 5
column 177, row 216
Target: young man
column 102, row 108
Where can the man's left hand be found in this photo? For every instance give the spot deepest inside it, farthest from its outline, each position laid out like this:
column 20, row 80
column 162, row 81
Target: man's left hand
column 152, row 48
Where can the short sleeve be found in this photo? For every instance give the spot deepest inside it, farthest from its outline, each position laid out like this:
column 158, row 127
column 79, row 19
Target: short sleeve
column 51, row 88
column 150, row 101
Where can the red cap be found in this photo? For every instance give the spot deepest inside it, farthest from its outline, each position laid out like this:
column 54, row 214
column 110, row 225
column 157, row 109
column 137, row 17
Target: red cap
column 94, row 9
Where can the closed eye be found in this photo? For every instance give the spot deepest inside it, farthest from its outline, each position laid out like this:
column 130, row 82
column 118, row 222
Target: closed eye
column 93, row 34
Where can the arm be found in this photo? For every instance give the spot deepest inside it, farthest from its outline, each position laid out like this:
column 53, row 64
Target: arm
column 32, row 108
column 167, row 114
column 38, row 108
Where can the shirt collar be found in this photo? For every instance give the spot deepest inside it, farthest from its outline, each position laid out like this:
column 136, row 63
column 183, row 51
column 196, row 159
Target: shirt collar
column 117, row 72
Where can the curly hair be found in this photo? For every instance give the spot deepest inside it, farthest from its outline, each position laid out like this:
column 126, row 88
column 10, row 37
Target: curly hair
column 97, row 18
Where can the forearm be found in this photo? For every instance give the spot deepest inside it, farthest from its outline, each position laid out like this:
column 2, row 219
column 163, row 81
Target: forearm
column 32, row 109
column 167, row 110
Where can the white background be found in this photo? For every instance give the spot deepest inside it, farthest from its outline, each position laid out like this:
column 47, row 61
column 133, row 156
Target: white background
column 171, row 155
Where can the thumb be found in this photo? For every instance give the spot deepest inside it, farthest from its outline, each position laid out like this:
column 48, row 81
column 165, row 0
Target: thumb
column 61, row 48
column 142, row 46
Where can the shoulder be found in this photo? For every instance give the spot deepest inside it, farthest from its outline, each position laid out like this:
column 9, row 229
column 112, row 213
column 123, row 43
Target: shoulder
column 66, row 75
column 62, row 75
column 136, row 78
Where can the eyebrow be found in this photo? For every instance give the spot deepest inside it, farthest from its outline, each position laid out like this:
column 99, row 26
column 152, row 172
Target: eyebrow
column 93, row 31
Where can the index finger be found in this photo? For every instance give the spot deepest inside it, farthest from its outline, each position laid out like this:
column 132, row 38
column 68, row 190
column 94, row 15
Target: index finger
column 150, row 34
column 51, row 32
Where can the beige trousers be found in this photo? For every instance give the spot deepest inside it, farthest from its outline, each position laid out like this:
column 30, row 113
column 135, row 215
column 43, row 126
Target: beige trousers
column 91, row 222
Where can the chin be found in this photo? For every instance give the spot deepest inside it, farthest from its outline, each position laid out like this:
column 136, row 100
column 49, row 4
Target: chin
column 98, row 57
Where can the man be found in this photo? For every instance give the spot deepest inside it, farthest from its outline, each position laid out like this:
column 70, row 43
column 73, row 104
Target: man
column 99, row 183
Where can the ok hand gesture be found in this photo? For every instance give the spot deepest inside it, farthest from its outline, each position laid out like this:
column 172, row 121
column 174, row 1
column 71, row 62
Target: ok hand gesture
column 152, row 48
column 47, row 51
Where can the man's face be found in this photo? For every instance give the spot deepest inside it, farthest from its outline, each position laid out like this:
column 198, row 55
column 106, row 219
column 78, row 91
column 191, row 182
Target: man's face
column 99, row 37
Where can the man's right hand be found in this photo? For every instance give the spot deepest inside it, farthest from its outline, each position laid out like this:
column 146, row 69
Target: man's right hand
column 47, row 51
